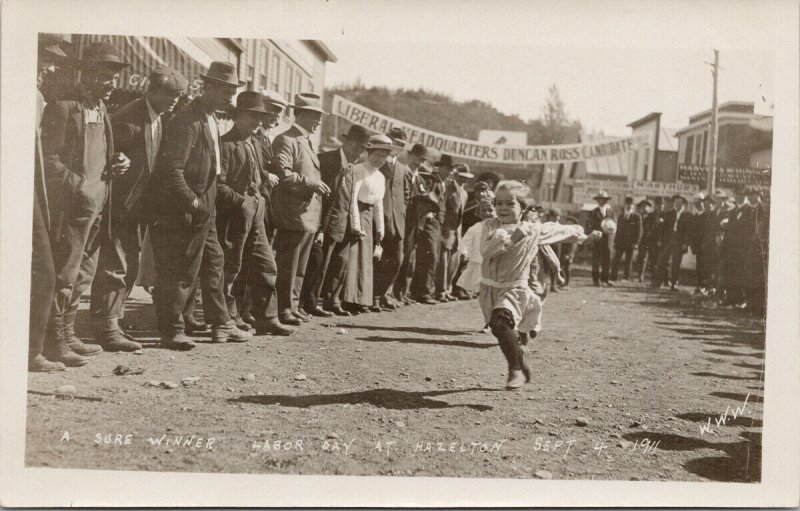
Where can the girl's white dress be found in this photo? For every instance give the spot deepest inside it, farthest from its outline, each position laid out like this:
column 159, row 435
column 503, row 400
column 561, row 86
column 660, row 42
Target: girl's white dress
column 506, row 265
column 470, row 247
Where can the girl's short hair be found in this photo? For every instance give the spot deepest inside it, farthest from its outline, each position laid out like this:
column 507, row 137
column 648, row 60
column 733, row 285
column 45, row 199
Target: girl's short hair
column 518, row 190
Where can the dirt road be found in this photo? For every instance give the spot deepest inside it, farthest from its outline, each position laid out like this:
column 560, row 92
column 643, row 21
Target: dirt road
column 629, row 384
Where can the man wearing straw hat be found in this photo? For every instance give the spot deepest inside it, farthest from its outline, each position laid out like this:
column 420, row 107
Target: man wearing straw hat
column 80, row 164
column 601, row 251
column 297, row 205
column 184, row 231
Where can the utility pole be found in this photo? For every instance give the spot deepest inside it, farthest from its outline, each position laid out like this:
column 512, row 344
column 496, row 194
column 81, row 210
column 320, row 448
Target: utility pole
column 714, row 126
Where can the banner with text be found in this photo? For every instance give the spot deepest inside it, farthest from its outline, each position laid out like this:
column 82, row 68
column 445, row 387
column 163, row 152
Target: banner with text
column 727, row 177
column 585, row 189
column 474, row 150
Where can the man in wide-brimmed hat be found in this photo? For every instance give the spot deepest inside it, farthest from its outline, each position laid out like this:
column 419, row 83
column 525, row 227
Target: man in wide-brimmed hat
column 138, row 132
column 42, row 271
column 325, row 272
column 297, row 204
column 396, row 197
column 240, row 220
column 601, row 251
column 628, row 236
column 184, row 232
column 675, row 242
column 80, row 162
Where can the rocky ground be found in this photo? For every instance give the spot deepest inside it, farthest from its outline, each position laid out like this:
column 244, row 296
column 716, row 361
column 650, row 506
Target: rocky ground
column 630, row 384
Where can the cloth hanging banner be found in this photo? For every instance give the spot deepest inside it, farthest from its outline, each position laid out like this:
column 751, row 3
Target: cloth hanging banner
column 493, row 153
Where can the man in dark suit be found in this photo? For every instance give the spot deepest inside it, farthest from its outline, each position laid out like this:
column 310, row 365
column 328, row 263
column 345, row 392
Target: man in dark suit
column 428, row 218
column 240, row 220
column 79, row 162
column 675, row 241
column 601, row 251
column 184, row 231
column 395, row 202
column 138, row 130
column 297, row 205
column 418, row 156
column 629, row 234
column 42, row 271
column 455, row 198
column 275, row 106
column 326, row 281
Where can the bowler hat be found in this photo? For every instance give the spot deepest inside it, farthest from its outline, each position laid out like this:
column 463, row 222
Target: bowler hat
column 307, row 101
column 628, row 200
column 272, row 98
column 222, row 72
column 250, row 101
column 51, row 43
column 398, row 134
column 102, row 54
column 420, row 151
column 678, row 196
column 382, row 142
column 357, row 134
column 602, row 195
column 645, row 202
column 166, row 78
column 720, row 195
column 445, row 160
column 462, row 170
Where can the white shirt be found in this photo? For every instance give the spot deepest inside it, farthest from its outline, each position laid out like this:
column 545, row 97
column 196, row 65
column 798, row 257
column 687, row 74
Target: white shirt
column 369, row 187
column 214, row 128
column 155, row 132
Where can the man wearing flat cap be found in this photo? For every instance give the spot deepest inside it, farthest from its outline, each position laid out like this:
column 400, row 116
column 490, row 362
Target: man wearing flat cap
column 240, row 220
column 675, row 243
column 397, row 195
column 184, row 232
column 138, row 132
column 297, row 204
column 629, row 234
column 80, row 163
column 42, row 271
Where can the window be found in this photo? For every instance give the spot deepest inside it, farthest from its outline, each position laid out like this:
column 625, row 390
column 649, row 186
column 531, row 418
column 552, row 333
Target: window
column 687, row 156
column 646, row 163
column 275, row 73
column 705, row 148
column 264, row 60
column 288, row 87
column 251, row 52
column 298, row 82
column 263, row 81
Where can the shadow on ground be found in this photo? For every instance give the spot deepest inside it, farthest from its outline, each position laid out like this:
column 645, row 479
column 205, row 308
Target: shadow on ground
column 382, row 398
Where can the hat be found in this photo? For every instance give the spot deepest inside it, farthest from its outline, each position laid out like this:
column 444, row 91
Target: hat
column 679, row 196
column 169, row 79
column 357, row 134
column 483, row 185
column 645, row 202
column 462, row 170
column 720, row 195
column 445, row 159
column 382, row 142
column 628, row 199
column 398, row 134
column 102, row 54
column 307, row 101
column 274, row 99
column 425, row 168
column 602, row 195
column 658, row 200
column 222, row 72
column 572, row 219
column 700, row 197
column 420, row 151
column 51, row 43
column 250, row 101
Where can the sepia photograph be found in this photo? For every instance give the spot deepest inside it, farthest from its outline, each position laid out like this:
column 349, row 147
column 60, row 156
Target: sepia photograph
column 297, row 253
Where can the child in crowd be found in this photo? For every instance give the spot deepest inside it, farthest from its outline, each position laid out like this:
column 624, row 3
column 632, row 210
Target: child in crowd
column 508, row 247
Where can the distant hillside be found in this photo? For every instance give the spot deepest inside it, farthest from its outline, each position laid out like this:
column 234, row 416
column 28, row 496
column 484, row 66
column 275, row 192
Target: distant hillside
column 440, row 113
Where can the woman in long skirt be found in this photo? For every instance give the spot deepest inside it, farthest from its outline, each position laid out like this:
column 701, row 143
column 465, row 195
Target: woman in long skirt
column 366, row 217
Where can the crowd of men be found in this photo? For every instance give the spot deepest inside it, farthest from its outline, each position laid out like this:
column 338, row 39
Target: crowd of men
column 729, row 237
column 269, row 230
